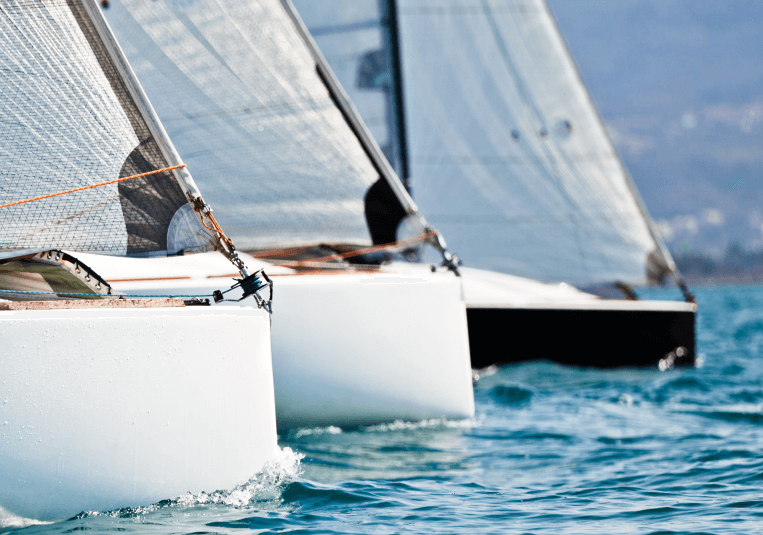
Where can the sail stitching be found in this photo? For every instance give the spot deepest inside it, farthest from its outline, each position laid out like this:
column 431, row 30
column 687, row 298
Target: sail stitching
column 7, row 205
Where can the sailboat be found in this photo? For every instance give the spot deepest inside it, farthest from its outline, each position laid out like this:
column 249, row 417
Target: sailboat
column 297, row 181
column 484, row 116
column 109, row 400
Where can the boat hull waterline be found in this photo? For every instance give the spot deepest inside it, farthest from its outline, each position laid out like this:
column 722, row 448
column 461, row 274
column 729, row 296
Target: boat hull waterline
column 110, row 408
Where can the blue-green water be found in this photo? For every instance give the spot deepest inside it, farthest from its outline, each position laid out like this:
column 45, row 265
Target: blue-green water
column 552, row 450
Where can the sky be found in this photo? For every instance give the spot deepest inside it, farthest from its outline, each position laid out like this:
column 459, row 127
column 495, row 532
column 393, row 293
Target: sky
column 679, row 84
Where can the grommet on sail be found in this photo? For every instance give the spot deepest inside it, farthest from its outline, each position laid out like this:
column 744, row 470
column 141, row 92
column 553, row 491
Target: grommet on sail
column 85, row 164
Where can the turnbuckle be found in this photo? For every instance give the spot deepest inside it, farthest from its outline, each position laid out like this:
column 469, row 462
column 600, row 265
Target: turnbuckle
column 449, row 261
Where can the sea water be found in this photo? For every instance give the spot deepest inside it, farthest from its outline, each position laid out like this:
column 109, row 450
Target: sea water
column 552, row 450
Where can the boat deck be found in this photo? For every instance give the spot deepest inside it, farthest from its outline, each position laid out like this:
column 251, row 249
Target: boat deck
column 79, row 304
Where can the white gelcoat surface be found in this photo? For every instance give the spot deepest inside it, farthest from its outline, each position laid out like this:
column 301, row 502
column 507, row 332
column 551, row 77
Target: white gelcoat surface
column 350, row 348
column 359, row 349
column 198, row 267
column 111, row 408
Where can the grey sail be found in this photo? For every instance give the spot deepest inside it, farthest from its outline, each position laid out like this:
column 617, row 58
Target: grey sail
column 506, row 153
column 270, row 135
column 75, row 120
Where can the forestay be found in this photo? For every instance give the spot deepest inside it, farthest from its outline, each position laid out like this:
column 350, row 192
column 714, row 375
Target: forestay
column 269, row 134
column 508, row 156
column 74, row 117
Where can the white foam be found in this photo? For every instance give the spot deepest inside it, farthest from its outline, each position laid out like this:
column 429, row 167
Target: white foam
column 9, row 520
column 277, row 472
column 331, row 430
column 399, row 425
column 265, row 485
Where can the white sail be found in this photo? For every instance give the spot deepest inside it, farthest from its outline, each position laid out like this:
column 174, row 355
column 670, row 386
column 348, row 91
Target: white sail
column 73, row 117
column 508, row 156
column 506, row 153
column 249, row 102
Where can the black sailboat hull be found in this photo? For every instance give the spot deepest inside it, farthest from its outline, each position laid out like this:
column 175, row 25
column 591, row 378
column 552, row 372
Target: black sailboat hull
column 605, row 337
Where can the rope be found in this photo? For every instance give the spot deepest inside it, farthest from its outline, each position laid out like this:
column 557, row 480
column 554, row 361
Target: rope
column 215, row 227
column 229, row 249
column 358, row 252
column 92, row 186
column 281, row 252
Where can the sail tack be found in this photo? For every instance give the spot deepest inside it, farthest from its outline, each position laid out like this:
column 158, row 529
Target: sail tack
column 246, row 100
column 507, row 155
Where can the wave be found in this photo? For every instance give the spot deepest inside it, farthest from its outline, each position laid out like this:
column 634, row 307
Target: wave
column 266, row 485
column 434, row 423
column 10, row 521
column 510, row 395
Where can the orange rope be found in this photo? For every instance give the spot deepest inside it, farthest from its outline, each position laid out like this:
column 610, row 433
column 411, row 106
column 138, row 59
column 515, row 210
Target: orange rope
column 93, row 186
column 218, row 229
column 358, row 252
column 205, row 211
column 281, row 252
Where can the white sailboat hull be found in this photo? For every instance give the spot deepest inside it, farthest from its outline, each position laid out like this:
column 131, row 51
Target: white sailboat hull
column 111, row 408
column 349, row 348
column 357, row 349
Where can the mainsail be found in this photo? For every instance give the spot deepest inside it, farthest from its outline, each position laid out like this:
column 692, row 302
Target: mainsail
column 506, row 153
column 84, row 163
column 260, row 118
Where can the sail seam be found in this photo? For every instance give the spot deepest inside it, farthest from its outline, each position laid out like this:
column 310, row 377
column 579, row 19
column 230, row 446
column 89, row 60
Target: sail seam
column 7, row 205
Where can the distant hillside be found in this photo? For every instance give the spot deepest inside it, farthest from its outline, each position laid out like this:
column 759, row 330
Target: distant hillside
column 735, row 265
column 679, row 83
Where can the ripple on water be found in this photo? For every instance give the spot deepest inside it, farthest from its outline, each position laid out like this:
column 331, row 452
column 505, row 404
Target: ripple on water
column 510, row 395
column 739, row 414
column 748, row 330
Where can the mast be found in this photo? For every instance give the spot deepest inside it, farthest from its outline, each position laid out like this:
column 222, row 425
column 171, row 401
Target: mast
column 395, row 102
